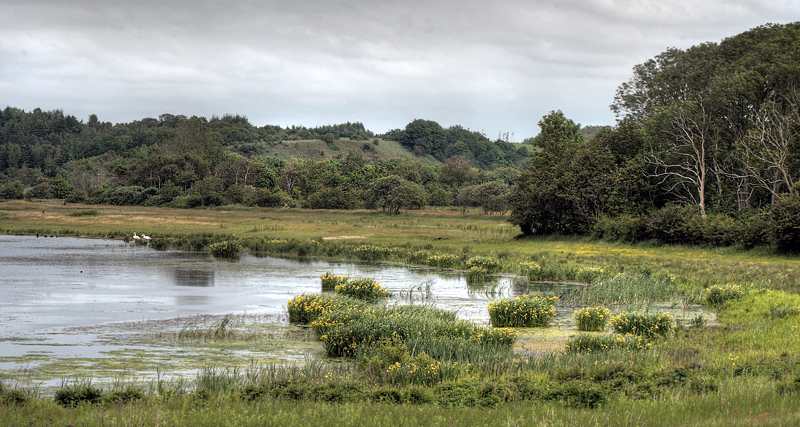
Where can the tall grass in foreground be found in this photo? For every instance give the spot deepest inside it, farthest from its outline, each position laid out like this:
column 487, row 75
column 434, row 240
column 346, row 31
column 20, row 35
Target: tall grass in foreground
column 746, row 402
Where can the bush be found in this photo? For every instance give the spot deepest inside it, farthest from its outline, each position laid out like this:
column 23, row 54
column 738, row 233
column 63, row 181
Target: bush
column 523, row 311
column 72, row 396
column 125, row 195
column 592, row 342
column 329, row 281
column 126, row 395
column 225, row 249
column 716, row 295
column 531, row 270
column 304, row 309
column 592, row 318
column 785, row 216
column 643, row 324
column 489, row 264
column 363, row 289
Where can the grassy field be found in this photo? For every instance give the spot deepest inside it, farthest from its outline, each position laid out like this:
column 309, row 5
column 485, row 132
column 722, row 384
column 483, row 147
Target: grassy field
column 743, row 370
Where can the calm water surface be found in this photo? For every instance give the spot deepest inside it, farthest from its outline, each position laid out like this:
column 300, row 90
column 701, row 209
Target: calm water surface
column 52, row 287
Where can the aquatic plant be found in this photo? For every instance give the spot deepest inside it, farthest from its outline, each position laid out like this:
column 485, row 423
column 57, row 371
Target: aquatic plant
column 363, row 289
column 225, row 249
column 643, row 324
column 717, row 295
column 476, row 275
column 304, row 309
column 592, row 318
column 523, row 311
column 531, row 270
column 489, row 264
column 329, row 281
column 593, row 342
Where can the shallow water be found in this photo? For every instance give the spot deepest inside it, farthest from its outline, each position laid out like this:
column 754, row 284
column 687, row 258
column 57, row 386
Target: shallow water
column 72, row 298
column 73, row 307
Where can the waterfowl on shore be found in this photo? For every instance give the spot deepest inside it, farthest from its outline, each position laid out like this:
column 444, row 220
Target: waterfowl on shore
column 135, row 237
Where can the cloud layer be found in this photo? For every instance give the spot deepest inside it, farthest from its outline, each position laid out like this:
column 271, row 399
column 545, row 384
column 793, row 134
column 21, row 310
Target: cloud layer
column 493, row 66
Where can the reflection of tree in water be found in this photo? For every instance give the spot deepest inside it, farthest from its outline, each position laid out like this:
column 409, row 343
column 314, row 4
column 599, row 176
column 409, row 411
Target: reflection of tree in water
column 192, row 277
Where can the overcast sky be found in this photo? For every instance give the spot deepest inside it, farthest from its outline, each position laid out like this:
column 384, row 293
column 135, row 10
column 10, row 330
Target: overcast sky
column 496, row 66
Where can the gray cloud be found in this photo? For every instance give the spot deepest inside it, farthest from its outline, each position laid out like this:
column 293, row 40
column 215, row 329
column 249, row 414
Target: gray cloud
column 496, row 66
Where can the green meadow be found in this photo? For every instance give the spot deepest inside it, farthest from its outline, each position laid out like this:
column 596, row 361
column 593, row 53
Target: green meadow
column 418, row 365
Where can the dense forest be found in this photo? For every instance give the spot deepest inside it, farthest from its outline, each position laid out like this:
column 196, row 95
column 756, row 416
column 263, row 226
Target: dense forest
column 706, row 150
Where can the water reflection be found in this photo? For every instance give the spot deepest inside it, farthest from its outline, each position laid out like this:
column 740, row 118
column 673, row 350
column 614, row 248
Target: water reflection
column 193, row 277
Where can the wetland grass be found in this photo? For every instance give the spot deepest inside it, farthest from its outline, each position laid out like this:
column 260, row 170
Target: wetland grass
column 736, row 371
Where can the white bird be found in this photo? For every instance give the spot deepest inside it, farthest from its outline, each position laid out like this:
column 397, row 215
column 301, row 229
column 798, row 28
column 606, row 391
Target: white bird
column 135, row 237
column 146, row 238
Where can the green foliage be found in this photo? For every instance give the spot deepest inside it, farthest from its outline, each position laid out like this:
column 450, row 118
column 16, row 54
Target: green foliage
column 643, row 324
column 225, row 249
column 785, row 218
column 524, row 311
column 363, row 289
column 304, row 309
column 599, row 342
column 717, row 295
column 488, row 264
column 329, row 281
column 592, row 318
column 77, row 394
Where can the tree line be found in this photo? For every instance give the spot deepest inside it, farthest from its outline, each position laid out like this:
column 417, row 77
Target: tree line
column 706, row 150
column 184, row 161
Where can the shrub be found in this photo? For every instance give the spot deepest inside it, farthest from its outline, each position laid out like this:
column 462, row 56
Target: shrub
column 588, row 342
column 531, row 270
column 304, row 309
column 716, row 295
column 12, row 397
column 489, row 264
column 443, row 260
column 126, row 395
column 329, row 281
column 523, row 311
column 368, row 252
column 225, row 249
column 363, row 289
column 72, row 396
column 592, row 318
column 643, row 324
column 785, row 216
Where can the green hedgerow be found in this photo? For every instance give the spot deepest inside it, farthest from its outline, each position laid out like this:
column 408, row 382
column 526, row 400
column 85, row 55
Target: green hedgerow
column 225, row 249
column 363, row 289
column 643, row 324
column 716, row 295
column 522, row 311
column 592, row 318
column 329, row 281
